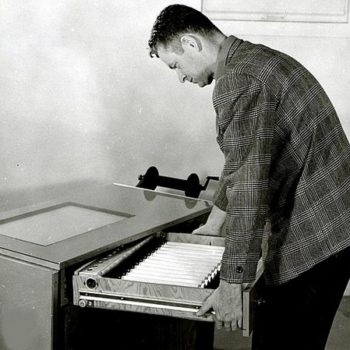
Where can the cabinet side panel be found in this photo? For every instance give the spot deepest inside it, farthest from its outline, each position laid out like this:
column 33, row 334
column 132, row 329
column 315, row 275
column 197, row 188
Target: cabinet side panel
column 27, row 302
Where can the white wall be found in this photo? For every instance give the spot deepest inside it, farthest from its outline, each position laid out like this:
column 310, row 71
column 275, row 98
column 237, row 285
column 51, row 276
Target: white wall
column 81, row 100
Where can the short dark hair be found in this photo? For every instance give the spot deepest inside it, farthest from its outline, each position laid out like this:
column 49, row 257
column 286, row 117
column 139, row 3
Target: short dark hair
column 175, row 20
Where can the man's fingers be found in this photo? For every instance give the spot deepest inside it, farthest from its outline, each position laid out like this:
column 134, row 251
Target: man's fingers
column 230, row 325
column 197, row 230
column 205, row 307
column 218, row 324
column 227, row 325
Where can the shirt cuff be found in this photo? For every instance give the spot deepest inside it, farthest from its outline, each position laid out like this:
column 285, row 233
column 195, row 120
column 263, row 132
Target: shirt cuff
column 238, row 271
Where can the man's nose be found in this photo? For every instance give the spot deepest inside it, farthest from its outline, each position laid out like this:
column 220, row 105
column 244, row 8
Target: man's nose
column 181, row 76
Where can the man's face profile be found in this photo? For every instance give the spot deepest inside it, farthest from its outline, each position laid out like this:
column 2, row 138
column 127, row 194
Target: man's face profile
column 190, row 64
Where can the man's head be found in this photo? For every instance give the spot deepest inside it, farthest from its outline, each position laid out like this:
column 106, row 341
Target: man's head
column 188, row 42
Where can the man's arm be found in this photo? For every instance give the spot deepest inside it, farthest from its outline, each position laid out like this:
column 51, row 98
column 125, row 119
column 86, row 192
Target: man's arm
column 246, row 143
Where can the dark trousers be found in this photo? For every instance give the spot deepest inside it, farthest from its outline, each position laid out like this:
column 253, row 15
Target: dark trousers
column 298, row 315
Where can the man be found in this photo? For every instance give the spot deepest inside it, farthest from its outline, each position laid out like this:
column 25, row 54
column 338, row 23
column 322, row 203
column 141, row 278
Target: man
column 287, row 161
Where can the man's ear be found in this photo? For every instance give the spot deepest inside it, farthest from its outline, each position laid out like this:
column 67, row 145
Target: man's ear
column 189, row 41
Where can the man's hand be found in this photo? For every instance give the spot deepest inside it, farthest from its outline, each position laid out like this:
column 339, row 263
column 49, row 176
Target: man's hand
column 207, row 230
column 226, row 301
column 213, row 224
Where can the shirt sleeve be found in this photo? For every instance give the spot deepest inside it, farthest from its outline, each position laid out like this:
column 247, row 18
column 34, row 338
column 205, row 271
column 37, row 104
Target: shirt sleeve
column 245, row 115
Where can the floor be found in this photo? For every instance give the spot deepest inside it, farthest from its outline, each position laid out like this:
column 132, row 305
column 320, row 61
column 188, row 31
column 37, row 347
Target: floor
column 339, row 338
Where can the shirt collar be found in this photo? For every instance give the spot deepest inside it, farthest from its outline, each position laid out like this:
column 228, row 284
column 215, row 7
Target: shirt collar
column 227, row 49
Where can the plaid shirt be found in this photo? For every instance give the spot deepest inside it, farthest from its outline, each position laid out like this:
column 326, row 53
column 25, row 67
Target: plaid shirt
column 287, row 160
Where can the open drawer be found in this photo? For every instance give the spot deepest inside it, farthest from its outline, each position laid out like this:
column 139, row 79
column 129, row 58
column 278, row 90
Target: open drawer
column 127, row 280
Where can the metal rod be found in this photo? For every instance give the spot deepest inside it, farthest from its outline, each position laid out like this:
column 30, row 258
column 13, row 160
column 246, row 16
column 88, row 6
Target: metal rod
column 141, row 303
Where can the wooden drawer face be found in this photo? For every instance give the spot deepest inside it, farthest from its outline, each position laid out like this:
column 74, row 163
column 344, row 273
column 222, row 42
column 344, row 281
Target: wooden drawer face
column 98, row 284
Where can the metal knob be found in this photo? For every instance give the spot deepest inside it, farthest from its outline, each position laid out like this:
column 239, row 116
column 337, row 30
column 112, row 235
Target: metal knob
column 82, row 303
